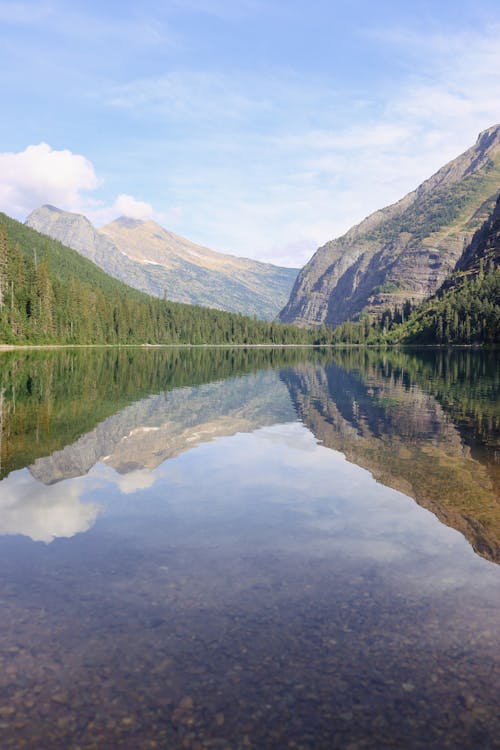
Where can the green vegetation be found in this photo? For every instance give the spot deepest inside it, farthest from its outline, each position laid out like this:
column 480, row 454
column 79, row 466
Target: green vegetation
column 468, row 313
column 388, row 287
column 49, row 398
column 441, row 207
column 49, row 294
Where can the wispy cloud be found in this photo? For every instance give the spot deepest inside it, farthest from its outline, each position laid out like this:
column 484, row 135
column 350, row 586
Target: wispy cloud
column 28, row 14
column 187, row 95
column 262, row 154
column 294, row 162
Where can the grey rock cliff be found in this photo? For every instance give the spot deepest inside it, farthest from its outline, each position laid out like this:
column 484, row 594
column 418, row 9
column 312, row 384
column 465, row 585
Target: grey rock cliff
column 402, row 252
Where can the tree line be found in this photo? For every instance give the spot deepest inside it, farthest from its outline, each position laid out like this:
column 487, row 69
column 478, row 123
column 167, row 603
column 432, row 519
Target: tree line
column 51, row 294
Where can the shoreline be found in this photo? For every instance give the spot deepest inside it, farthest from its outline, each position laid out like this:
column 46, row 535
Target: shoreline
column 45, row 347
column 15, row 347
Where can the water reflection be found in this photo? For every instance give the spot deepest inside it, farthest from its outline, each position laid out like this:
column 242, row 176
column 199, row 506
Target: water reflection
column 425, row 424
column 243, row 582
column 397, row 418
column 157, row 428
column 43, row 513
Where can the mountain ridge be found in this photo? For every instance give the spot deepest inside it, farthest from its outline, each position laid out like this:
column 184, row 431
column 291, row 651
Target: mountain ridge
column 51, row 294
column 154, row 260
column 403, row 251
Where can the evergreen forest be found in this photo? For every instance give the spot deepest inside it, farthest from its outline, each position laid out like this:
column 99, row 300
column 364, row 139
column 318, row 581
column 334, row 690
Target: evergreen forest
column 49, row 294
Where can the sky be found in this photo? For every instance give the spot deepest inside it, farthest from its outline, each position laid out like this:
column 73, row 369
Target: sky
column 262, row 128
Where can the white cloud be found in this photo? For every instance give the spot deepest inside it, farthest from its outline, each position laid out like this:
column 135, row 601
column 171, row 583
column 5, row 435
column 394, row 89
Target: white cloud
column 134, row 481
column 40, row 174
column 127, row 205
column 282, row 165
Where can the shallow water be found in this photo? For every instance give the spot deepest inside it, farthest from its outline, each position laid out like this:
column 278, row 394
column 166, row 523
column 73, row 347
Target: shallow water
column 211, row 549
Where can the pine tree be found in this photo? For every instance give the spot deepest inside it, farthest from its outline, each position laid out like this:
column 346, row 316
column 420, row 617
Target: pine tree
column 3, row 264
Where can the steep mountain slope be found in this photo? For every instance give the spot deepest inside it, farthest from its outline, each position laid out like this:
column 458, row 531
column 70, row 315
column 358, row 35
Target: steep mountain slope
column 483, row 253
column 153, row 260
column 466, row 309
column 405, row 251
column 76, row 231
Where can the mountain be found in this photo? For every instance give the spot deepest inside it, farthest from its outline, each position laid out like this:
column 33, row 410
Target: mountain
column 402, row 252
column 49, row 294
column 466, row 309
column 483, row 252
column 153, row 260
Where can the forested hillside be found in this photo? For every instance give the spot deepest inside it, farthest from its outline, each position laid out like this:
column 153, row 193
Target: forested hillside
column 466, row 310
column 464, row 314
column 151, row 259
column 51, row 294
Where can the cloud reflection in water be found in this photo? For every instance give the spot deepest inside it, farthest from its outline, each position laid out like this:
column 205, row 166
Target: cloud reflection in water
column 41, row 512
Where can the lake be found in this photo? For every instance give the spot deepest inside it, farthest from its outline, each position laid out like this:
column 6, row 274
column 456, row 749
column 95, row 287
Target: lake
column 211, row 548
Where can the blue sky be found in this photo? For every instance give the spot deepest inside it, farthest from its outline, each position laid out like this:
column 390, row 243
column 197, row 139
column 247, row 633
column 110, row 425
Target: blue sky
column 254, row 127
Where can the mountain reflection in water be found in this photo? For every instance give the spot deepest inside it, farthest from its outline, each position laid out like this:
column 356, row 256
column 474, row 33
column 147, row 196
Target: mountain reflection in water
column 425, row 424
column 230, row 554
column 427, row 427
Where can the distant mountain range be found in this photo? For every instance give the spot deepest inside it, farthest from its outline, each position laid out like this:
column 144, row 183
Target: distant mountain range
column 51, row 294
column 405, row 251
column 149, row 258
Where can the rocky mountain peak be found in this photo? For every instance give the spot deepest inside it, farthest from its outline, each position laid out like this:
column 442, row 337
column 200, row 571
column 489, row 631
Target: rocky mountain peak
column 487, row 138
column 404, row 251
column 50, row 208
column 148, row 257
column 73, row 229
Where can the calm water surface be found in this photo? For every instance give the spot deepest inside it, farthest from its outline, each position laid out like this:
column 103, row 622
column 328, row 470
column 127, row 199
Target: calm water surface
column 249, row 549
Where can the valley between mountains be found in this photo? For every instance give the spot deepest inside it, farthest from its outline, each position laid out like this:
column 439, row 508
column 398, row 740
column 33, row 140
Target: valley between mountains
column 423, row 270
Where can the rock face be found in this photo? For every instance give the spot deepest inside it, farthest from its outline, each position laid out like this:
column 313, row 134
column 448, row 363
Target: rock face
column 484, row 249
column 149, row 258
column 402, row 252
